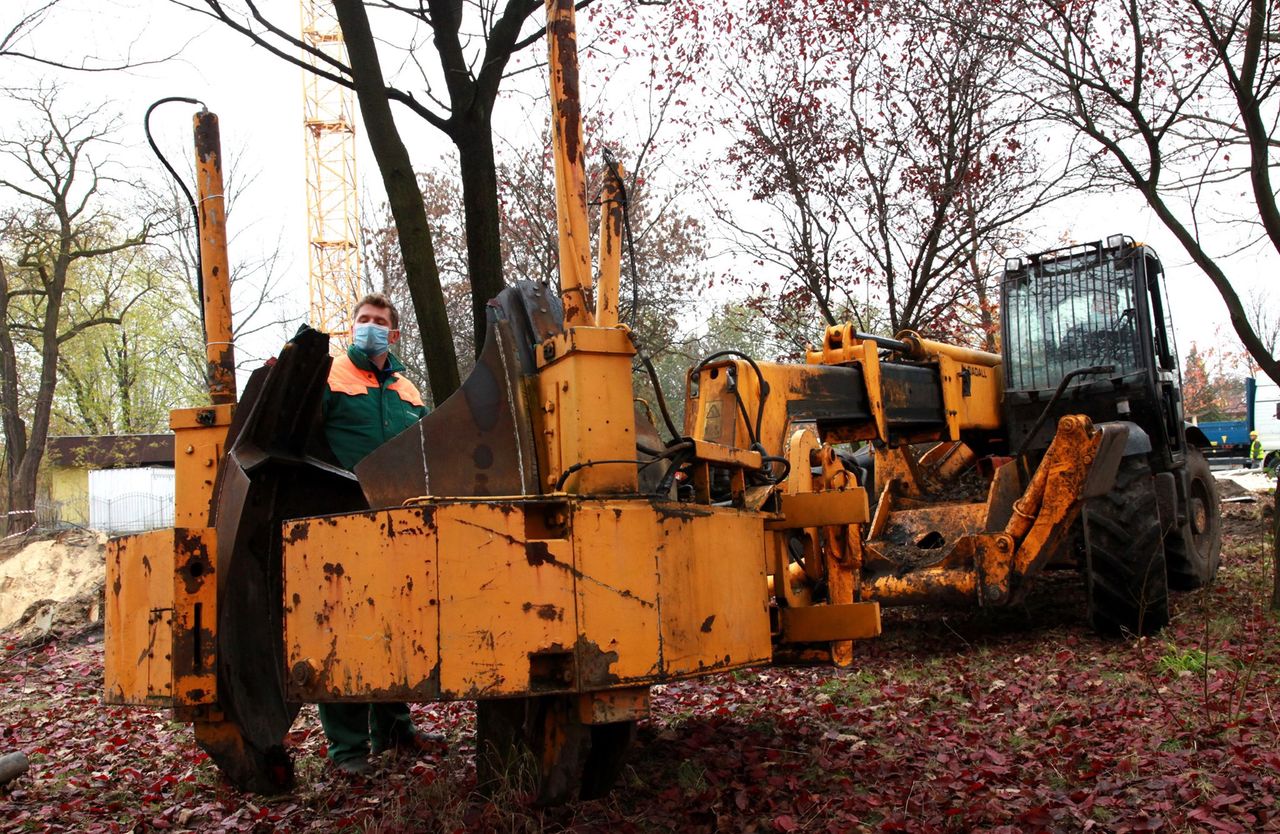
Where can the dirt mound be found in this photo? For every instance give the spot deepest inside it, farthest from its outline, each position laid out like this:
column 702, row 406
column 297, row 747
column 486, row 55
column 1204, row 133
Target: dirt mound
column 50, row 580
column 1228, row 488
column 1237, row 482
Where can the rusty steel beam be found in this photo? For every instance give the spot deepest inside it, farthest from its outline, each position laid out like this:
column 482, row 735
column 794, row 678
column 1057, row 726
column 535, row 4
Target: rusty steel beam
column 571, row 186
column 220, row 356
column 612, row 207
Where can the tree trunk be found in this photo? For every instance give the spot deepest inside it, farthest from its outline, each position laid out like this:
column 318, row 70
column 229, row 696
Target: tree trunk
column 22, row 496
column 416, row 247
column 15, row 428
column 480, row 210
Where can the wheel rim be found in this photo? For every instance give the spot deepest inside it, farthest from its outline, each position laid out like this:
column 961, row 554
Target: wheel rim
column 1199, row 511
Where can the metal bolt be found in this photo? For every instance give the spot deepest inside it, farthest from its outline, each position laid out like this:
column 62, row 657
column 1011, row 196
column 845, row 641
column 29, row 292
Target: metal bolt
column 302, row 673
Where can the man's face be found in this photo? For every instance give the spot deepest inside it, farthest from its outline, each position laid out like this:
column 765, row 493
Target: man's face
column 381, row 316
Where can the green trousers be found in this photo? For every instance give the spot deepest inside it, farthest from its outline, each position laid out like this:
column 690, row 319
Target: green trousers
column 352, row 728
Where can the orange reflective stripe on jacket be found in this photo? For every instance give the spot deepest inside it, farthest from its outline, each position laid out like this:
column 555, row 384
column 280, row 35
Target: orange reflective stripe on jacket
column 346, row 378
column 407, row 390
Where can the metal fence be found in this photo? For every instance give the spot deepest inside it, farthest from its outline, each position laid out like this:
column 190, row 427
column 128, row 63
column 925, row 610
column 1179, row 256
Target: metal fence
column 131, row 500
column 131, row 512
column 47, row 515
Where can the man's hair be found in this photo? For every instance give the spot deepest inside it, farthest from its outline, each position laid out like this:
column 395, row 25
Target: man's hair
column 377, row 299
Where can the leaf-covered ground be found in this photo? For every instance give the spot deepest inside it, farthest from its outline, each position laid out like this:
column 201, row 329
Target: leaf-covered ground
column 953, row 721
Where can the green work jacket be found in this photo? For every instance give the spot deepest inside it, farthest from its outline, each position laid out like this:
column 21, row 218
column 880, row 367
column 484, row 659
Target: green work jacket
column 364, row 407
column 1255, row 450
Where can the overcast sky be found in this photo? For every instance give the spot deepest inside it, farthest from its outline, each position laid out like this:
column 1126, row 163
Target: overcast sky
column 258, row 99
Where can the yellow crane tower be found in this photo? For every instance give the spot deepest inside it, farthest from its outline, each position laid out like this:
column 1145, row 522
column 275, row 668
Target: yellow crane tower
column 333, row 213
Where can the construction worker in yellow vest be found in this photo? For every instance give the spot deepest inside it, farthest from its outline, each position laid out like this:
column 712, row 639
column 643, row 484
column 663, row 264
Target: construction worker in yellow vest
column 1255, row 451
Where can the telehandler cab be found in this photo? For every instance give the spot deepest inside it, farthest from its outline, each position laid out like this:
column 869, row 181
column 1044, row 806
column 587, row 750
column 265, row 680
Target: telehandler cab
column 535, row 545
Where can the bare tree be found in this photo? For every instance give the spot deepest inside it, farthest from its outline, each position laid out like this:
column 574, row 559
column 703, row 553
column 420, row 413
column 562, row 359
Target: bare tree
column 473, row 44
column 888, row 163
column 56, row 222
column 1179, row 98
column 26, row 19
column 258, row 302
column 1263, row 313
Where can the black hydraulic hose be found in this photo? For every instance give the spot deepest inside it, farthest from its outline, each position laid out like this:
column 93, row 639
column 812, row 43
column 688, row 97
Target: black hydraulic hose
column 191, row 201
column 657, row 390
column 1057, row 395
column 667, row 452
column 683, row 455
column 578, row 467
column 786, row 467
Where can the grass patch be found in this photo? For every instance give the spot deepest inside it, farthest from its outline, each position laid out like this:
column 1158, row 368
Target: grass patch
column 856, row 688
column 1177, row 661
column 690, row 777
column 677, row 719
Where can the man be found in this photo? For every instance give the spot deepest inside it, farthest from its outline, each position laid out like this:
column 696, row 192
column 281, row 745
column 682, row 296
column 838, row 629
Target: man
column 1255, row 451
column 368, row 402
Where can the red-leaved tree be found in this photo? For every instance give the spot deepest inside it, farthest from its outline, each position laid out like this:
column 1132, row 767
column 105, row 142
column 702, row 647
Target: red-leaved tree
column 883, row 171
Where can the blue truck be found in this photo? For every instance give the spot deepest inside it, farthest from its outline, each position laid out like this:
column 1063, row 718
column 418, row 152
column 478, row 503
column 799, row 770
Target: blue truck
column 1229, row 439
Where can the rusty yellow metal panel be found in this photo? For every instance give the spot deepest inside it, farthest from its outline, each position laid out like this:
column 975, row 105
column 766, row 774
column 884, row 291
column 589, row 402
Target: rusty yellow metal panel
column 711, row 413
column 609, row 706
column 138, row 616
column 507, row 617
column 823, row 623
column 933, row 527
column 195, row 616
column 818, row 509
column 485, row 598
column 616, row 546
column 729, row 455
column 361, row 606
column 971, row 395
column 589, row 339
column 574, row 391
column 199, row 434
column 714, row 609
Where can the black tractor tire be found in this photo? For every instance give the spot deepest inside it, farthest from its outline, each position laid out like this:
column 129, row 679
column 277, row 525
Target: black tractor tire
column 1193, row 550
column 1125, row 577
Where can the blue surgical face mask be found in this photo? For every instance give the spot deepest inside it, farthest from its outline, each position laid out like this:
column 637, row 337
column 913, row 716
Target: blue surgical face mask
column 373, row 339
